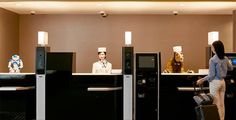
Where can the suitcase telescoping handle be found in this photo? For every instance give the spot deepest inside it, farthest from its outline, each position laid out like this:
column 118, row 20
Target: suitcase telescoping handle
column 197, row 91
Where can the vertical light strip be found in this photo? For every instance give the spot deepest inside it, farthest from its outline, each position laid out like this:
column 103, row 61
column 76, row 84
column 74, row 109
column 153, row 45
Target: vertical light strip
column 213, row 36
column 42, row 38
column 128, row 38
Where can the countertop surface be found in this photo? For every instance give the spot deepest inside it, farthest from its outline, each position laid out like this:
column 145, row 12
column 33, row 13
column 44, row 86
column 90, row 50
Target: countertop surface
column 183, row 74
column 96, row 74
column 15, row 74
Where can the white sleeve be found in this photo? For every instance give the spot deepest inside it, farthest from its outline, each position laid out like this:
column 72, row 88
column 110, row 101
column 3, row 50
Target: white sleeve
column 94, row 68
column 110, row 67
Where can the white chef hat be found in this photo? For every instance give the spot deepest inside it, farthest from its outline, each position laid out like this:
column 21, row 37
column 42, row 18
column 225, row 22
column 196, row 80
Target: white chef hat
column 177, row 49
column 101, row 49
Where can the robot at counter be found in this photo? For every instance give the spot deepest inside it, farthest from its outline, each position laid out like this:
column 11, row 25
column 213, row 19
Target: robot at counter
column 176, row 63
column 15, row 64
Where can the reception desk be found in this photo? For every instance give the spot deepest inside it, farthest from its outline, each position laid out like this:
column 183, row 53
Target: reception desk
column 176, row 92
column 176, row 96
column 82, row 96
column 88, row 96
column 100, row 96
column 17, row 96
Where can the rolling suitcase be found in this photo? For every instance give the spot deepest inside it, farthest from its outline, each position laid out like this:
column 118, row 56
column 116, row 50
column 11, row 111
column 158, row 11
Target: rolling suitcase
column 207, row 112
column 200, row 97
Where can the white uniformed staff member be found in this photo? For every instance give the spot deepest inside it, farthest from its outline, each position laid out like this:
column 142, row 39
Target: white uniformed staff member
column 102, row 66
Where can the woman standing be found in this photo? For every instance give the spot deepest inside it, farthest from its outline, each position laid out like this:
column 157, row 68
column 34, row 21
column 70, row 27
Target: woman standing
column 219, row 64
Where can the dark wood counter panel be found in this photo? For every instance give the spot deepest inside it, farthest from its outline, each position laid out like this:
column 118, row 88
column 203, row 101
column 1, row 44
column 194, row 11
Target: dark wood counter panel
column 88, row 96
column 81, row 95
column 176, row 92
column 17, row 79
column 100, row 96
column 17, row 96
column 174, row 103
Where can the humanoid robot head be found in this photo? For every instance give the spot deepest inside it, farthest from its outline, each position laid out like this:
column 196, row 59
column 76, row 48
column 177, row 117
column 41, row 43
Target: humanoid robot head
column 15, row 57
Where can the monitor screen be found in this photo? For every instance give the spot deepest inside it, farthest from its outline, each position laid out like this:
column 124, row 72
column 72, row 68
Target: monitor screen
column 232, row 57
column 146, row 61
column 233, row 60
column 59, row 61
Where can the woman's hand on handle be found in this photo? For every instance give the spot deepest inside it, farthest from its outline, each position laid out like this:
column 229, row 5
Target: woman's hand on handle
column 200, row 82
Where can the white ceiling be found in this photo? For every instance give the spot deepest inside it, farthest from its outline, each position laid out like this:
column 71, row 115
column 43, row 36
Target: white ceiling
column 47, row 7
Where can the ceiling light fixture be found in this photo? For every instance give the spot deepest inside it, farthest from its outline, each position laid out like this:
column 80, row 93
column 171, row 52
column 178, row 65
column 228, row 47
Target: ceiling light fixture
column 32, row 12
column 175, row 12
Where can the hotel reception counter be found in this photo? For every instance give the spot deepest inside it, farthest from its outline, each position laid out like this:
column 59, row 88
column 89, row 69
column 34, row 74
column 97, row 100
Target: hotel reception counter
column 17, row 96
column 97, row 96
column 176, row 96
column 94, row 96
column 85, row 96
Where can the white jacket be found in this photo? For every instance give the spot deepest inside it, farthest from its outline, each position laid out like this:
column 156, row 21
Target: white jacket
column 102, row 67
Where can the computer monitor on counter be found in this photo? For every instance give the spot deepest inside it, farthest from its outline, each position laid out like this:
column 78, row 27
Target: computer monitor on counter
column 232, row 57
column 60, row 61
column 146, row 61
column 233, row 61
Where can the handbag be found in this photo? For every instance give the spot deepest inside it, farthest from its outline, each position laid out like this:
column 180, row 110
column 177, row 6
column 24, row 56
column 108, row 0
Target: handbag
column 202, row 98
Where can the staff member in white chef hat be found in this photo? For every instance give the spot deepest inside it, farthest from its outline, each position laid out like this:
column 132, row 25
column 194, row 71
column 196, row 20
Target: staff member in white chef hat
column 102, row 66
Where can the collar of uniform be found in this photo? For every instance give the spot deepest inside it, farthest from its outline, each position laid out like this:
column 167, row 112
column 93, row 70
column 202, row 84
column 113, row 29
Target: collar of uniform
column 102, row 61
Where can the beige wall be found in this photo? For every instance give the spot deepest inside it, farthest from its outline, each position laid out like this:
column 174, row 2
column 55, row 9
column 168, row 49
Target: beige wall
column 9, row 37
column 83, row 34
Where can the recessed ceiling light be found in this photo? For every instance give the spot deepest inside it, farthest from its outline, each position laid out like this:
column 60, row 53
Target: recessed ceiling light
column 19, row 4
column 99, row 4
column 181, row 4
column 32, row 12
